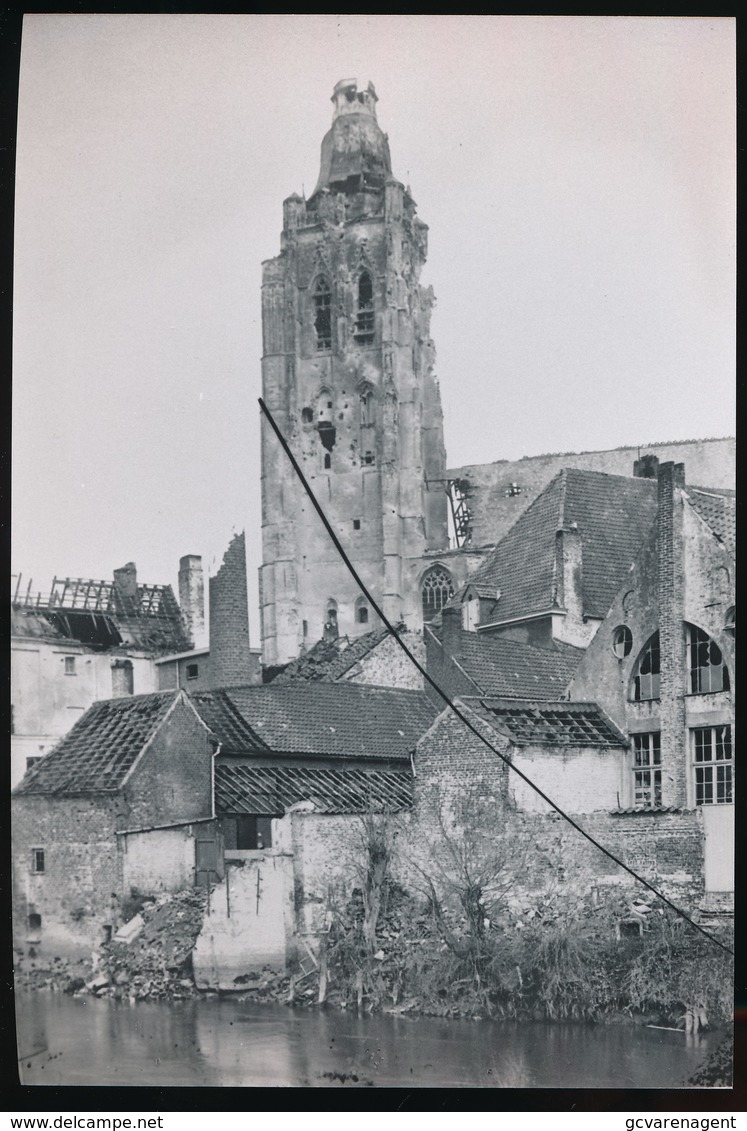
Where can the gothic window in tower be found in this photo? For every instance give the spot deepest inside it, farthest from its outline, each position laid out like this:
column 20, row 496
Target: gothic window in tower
column 368, row 407
column 323, row 314
column 437, row 589
column 364, row 322
column 361, row 611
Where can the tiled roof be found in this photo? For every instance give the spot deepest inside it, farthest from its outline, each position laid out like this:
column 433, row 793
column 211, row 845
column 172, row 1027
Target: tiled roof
column 273, row 789
column 613, row 514
column 512, row 670
column 331, row 659
column 100, row 750
column 553, row 724
column 341, row 720
column 719, row 511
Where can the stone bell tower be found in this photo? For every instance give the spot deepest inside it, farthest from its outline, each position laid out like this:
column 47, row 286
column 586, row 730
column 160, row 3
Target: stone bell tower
column 347, row 372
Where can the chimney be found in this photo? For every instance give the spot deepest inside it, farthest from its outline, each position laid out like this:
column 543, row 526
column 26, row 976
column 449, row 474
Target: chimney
column 646, row 467
column 192, row 597
column 230, row 660
column 125, row 588
column 569, row 572
column 671, row 588
column 451, row 630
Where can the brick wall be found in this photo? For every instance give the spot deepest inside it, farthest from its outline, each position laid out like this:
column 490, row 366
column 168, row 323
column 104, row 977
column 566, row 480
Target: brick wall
column 230, row 660
column 172, row 781
column 671, row 642
column 82, row 869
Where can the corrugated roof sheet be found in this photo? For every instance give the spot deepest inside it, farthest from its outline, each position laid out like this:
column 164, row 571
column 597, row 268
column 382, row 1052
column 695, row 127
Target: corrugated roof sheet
column 512, row 670
column 331, row 659
column 341, row 720
column 242, row 788
column 553, row 724
column 719, row 511
column 613, row 514
column 96, row 755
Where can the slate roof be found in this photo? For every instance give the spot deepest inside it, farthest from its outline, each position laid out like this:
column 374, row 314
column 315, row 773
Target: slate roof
column 331, row 659
column 613, row 514
column 516, row 671
column 341, row 720
column 102, row 747
column 719, row 511
column 241, row 788
column 551, row 724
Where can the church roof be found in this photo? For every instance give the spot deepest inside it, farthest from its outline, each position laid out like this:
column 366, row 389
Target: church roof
column 613, row 514
column 341, row 720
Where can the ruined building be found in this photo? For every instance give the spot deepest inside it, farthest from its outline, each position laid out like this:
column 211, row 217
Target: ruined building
column 347, row 373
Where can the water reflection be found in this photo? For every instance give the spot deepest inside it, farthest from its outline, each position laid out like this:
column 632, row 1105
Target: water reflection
column 221, row 1041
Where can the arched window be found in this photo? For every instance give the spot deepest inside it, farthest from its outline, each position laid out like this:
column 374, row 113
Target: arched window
column 331, row 631
column 705, row 663
column 361, row 611
column 323, row 314
column 645, row 681
column 364, row 322
column 436, row 589
column 367, row 406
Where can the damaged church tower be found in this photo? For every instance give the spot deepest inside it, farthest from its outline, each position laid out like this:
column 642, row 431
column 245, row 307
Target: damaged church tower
column 348, row 374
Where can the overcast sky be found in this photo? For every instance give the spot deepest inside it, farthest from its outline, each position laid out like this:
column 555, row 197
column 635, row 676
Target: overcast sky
column 577, row 175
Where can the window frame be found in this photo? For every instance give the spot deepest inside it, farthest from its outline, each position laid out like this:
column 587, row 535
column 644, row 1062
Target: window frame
column 705, row 783
column 364, row 329
column 649, row 652
column 646, row 749
column 448, row 588
column 707, row 672
column 34, row 861
column 322, row 302
column 70, row 665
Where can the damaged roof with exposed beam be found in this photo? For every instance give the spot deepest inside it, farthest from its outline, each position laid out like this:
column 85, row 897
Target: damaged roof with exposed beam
column 550, row 724
column 272, row 790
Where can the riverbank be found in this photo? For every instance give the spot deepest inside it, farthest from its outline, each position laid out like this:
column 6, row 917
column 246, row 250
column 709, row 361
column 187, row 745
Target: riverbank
column 568, row 963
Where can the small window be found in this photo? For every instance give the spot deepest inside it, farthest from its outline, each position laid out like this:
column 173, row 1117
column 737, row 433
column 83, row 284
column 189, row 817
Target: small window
column 364, row 322
column 645, row 682
column 361, row 611
column 356, row 524
column 706, row 666
column 323, row 314
column 730, row 622
column 32, row 760
column 647, row 770
column 37, row 860
column 193, row 670
column 307, row 416
column 35, row 921
column 369, row 459
column 367, row 407
column 513, row 490
column 622, row 641
column 713, row 765
column 327, row 461
column 69, row 665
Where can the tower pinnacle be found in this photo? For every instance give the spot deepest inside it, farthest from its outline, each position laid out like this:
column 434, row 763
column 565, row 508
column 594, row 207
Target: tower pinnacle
column 355, row 152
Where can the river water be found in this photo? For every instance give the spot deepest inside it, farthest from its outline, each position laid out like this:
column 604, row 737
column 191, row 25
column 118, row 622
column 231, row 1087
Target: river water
column 223, row 1041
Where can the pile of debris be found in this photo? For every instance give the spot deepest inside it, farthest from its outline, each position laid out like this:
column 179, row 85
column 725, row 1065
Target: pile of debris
column 56, row 973
column 151, row 955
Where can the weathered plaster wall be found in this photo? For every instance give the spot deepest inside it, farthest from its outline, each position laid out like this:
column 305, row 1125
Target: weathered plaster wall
column 159, row 860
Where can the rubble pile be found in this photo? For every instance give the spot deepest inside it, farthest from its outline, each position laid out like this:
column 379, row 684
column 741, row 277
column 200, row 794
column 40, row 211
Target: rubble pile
column 151, row 957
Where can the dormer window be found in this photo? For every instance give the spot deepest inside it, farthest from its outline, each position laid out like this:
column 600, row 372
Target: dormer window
column 364, row 322
column 323, row 314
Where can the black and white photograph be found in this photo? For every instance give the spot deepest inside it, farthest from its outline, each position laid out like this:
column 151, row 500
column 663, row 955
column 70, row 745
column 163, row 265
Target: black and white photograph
column 373, row 551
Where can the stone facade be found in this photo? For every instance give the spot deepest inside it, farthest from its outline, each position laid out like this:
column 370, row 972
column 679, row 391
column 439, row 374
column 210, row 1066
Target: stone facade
column 348, row 374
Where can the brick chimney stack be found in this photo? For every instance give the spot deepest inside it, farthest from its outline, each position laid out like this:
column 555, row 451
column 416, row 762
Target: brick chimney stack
column 192, row 597
column 230, row 661
column 125, row 588
column 671, row 598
